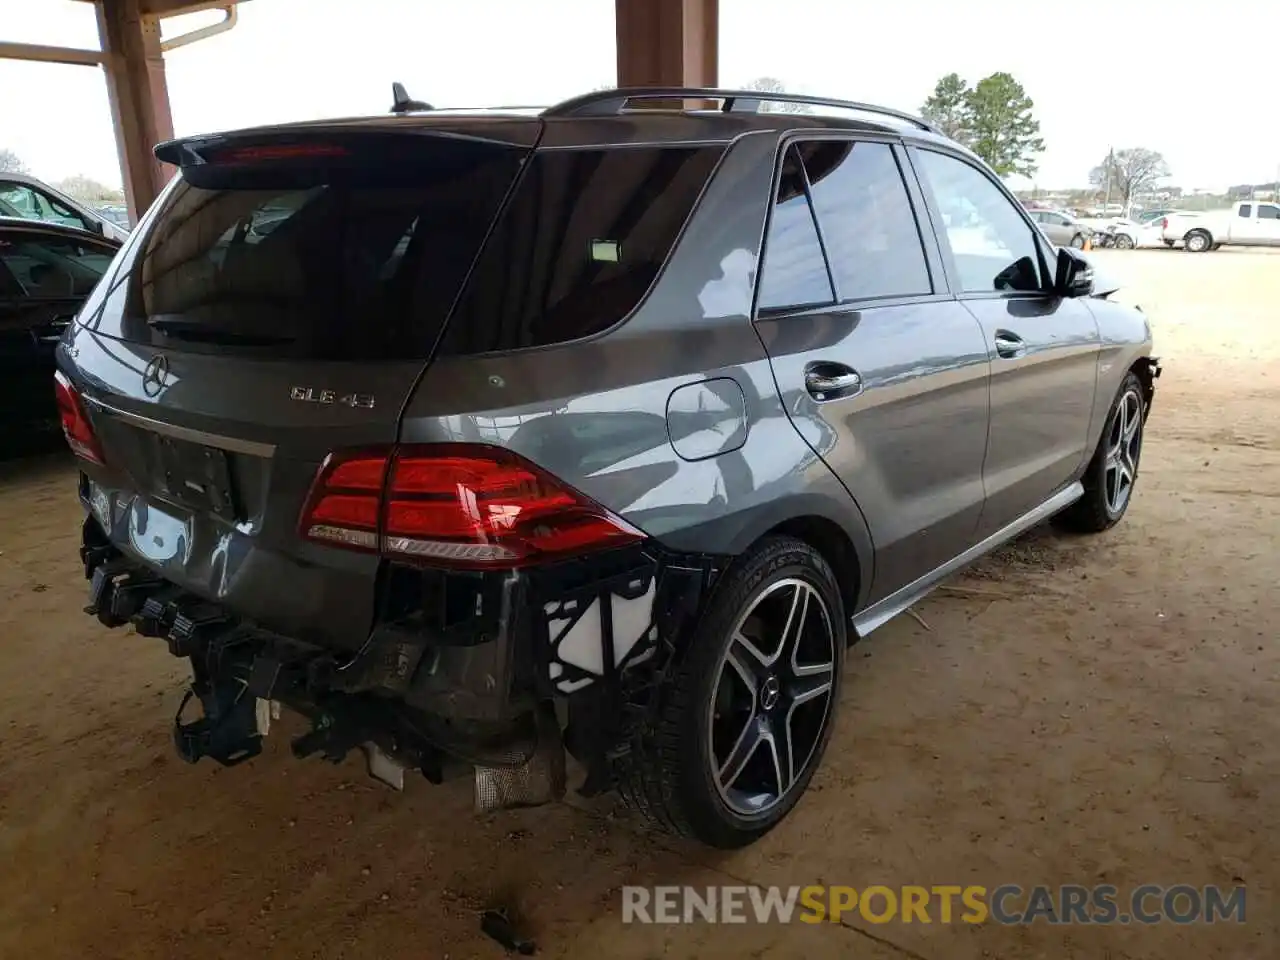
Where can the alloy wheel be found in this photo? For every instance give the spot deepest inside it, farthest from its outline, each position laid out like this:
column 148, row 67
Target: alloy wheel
column 772, row 697
column 1124, row 442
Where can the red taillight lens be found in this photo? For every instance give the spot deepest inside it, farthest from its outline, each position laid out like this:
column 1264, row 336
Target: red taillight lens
column 1164, row 223
column 465, row 504
column 75, row 424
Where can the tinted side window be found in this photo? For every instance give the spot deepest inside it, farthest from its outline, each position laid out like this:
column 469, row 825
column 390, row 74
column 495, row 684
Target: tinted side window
column 579, row 245
column 20, row 200
column 1246, row 210
column 1268, row 212
column 51, row 266
column 867, row 222
column 993, row 247
column 794, row 273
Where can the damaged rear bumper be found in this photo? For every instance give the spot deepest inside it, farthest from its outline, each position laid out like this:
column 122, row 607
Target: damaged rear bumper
column 495, row 671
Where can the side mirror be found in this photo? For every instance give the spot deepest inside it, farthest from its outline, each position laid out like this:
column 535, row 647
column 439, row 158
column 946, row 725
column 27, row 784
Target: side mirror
column 1074, row 274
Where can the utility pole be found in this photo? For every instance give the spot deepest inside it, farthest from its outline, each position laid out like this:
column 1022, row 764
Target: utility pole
column 1111, row 166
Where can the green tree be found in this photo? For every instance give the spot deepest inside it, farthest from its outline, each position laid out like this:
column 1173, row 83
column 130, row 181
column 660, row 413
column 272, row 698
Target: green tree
column 10, row 162
column 1002, row 129
column 948, row 107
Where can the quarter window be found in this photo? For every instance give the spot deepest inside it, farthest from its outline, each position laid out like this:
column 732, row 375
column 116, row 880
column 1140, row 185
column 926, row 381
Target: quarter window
column 794, row 272
column 868, row 225
column 993, row 246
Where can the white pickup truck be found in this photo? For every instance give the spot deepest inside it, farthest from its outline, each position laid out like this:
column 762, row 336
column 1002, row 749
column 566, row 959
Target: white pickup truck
column 1249, row 223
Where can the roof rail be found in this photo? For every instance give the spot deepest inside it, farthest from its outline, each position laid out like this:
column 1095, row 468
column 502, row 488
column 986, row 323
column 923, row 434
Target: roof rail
column 608, row 103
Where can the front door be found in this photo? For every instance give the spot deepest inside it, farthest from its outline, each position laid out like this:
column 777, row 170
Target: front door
column 1043, row 348
column 883, row 373
column 1268, row 225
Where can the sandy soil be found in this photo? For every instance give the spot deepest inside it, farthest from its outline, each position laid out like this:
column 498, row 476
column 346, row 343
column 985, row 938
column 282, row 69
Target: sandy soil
column 1105, row 711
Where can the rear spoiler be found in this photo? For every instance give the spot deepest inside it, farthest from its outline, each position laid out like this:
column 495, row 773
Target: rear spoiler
column 337, row 141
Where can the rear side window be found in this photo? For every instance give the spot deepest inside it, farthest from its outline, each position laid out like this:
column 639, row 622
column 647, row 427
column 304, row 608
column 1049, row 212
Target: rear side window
column 794, row 273
column 355, row 250
column 868, row 226
column 579, row 245
column 1268, row 212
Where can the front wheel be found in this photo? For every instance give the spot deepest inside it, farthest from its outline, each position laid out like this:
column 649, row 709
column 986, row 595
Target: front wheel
column 1112, row 472
column 1078, row 241
column 747, row 712
column 1123, row 241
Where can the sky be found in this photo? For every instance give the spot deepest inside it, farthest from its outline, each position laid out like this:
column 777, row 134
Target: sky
column 1171, row 75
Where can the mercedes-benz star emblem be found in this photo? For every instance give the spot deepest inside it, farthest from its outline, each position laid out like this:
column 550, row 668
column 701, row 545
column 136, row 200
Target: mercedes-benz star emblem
column 156, row 377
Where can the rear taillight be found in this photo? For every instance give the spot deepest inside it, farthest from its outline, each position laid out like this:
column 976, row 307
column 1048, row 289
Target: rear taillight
column 1164, row 223
column 465, row 504
column 75, row 424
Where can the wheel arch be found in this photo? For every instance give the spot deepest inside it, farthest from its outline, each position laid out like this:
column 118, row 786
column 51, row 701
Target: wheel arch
column 837, row 548
column 1146, row 369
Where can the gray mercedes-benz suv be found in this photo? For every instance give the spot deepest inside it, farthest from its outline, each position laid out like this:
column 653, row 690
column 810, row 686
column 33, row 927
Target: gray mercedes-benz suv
column 482, row 437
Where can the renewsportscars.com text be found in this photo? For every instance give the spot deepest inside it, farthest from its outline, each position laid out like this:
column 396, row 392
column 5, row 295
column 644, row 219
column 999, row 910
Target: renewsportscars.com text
column 1009, row 904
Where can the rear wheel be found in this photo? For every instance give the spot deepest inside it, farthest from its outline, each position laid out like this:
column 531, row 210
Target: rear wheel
column 747, row 713
column 1198, row 241
column 1110, row 477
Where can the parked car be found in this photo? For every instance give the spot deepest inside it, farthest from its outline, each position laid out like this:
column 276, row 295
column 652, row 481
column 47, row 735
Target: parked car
column 27, row 197
column 1061, row 228
column 46, row 271
column 1128, row 234
column 1249, row 223
column 503, row 441
column 117, row 213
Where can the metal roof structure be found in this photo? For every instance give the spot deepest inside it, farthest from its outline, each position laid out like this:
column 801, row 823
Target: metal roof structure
column 660, row 43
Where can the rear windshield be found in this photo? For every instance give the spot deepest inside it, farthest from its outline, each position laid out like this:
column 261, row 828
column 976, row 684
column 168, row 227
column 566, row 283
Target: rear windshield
column 326, row 258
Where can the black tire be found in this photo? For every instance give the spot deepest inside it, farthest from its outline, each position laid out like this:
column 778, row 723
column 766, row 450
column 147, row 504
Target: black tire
column 1078, row 241
column 1198, row 241
column 1097, row 510
column 671, row 774
column 1123, row 241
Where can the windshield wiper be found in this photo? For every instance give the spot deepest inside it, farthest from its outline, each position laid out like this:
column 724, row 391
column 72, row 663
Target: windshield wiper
column 202, row 333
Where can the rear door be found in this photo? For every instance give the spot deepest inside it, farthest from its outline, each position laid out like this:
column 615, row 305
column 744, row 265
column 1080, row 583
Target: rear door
column 884, row 374
column 44, row 277
column 279, row 302
column 1043, row 348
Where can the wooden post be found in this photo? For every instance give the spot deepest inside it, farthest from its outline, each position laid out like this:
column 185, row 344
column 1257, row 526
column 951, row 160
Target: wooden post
column 139, row 98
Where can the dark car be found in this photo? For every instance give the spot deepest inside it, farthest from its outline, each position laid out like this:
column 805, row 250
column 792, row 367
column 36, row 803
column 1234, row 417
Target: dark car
column 480, row 437
column 46, row 271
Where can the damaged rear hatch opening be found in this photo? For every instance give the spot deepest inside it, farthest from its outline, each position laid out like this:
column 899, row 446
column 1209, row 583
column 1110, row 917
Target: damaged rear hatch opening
column 280, row 301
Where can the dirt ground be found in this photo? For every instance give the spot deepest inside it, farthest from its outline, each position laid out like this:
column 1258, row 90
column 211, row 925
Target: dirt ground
column 1088, row 711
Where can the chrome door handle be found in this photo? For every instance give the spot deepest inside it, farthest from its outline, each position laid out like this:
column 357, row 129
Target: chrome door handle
column 1009, row 345
column 831, row 381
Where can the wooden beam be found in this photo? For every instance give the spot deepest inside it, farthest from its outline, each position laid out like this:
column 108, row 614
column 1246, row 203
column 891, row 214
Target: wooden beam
column 667, row 43
column 139, row 98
